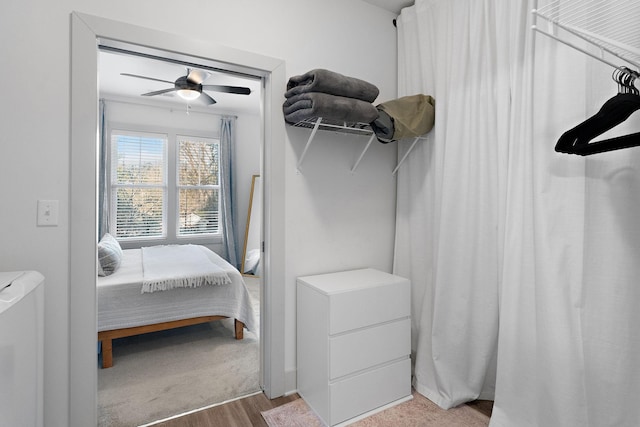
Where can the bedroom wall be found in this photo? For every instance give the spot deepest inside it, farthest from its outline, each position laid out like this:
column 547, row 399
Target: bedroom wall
column 335, row 220
column 247, row 145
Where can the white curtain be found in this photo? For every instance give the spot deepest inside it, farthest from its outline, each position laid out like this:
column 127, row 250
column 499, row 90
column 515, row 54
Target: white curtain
column 523, row 261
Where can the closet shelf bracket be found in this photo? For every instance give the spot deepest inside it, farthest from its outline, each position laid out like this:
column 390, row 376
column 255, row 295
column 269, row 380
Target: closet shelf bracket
column 413, row 144
column 306, row 147
column 317, row 123
column 355, row 166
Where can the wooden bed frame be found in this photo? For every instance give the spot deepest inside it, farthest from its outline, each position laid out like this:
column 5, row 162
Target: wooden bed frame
column 107, row 337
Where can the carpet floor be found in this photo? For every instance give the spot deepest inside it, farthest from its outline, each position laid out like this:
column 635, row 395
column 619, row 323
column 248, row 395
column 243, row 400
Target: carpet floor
column 417, row 412
column 161, row 374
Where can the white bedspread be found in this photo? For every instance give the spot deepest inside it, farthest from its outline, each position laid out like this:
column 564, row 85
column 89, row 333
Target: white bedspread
column 121, row 305
column 179, row 266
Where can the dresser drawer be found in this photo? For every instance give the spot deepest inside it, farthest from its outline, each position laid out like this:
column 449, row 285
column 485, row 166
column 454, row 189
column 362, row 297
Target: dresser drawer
column 360, row 298
column 369, row 390
column 365, row 348
column 353, row 310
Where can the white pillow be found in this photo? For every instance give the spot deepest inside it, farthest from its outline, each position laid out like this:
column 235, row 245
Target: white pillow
column 109, row 255
column 251, row 261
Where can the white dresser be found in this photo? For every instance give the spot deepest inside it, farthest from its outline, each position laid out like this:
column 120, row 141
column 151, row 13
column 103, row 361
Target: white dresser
column 353, row 342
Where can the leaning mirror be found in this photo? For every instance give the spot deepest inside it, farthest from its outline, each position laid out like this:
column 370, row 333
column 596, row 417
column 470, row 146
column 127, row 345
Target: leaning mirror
column 251, row 253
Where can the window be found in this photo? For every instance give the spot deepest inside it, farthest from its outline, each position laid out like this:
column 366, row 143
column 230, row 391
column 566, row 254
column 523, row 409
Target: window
column 198, row 185
column 149, row 200
column 138, row 184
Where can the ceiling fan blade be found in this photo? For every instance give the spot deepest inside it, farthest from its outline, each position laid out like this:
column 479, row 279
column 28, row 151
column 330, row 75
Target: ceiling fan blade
column 197, row 76
column 146, row 78
column 207, row 99
column 239, row 90
column 159, row 92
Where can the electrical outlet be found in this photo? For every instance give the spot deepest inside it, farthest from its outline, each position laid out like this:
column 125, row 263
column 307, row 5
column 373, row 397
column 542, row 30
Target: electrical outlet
column 47, row 212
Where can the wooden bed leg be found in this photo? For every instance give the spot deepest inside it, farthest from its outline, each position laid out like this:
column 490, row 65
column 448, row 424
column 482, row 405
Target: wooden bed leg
column 107, row 353
column 239, row 329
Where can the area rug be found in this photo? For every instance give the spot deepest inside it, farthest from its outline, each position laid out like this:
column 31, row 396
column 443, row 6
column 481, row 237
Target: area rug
column 166, row 373
column 416, row 412
column 292, row 414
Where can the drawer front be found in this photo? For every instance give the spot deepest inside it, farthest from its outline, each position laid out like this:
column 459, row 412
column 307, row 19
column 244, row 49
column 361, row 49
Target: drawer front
column 365, row 348
column 369, row 390
column 368, row 306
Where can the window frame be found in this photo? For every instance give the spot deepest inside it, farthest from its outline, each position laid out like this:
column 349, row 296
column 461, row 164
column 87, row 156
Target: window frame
column 178, row 186
column 113, row 186
column 172, row 208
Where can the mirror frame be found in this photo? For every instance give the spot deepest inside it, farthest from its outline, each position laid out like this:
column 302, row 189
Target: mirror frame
column 251, row 220
column 87, row 32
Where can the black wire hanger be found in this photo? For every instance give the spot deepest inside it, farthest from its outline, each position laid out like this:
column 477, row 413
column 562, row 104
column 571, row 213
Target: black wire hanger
column 615, row 111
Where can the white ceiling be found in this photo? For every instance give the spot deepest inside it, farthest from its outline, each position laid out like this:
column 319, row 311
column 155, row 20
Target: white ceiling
column 113, row 85
column 394, row 6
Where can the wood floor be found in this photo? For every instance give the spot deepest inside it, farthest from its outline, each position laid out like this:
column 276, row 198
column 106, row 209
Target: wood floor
column 239, row 413
column 246, row 412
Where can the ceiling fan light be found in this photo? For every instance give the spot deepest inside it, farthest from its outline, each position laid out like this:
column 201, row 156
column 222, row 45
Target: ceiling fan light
column 188, row 94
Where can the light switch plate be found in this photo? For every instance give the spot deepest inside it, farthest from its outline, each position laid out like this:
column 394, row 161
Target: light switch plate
column 47, row 212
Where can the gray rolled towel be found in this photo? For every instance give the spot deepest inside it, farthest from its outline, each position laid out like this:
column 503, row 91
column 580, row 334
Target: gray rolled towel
column 383, row 127
column 325, row 81
column 307, row 105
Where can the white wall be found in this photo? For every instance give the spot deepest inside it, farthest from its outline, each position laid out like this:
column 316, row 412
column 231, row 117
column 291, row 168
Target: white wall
column 335, row 220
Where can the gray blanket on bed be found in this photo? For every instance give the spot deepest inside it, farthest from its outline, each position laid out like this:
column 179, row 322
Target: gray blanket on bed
column 325, row 81
column 307, row 105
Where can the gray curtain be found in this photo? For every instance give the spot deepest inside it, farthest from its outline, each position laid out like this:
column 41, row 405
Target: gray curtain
column 227, row 208
column 103, row 196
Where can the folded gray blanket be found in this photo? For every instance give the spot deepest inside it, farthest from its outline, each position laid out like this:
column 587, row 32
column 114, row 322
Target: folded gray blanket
column 325, row 81
column 307, row 105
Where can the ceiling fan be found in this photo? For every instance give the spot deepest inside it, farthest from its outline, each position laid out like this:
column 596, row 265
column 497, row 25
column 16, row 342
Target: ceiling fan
column 190, row 87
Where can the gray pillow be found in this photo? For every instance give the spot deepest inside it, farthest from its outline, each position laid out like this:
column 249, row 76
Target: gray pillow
column 109, row 255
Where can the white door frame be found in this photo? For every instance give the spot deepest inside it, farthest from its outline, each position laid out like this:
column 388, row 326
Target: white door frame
column 87, row 32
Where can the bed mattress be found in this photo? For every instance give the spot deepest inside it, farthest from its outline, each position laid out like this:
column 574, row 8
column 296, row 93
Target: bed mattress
column 122, row 305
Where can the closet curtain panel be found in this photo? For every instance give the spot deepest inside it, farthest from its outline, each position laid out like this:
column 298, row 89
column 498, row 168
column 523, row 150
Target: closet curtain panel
column 451, row 198
column 523, row 261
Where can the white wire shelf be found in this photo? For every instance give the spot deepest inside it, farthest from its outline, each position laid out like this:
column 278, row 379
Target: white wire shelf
column 334, row 126
column 317, row 123
column 609, row 26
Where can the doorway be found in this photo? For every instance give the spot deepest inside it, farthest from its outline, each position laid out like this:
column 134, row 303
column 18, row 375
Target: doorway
column 88, row 32
column 162, row 374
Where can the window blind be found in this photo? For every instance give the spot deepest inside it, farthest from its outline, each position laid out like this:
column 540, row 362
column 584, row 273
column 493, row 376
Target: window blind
column 198, row 185
column 138, row 180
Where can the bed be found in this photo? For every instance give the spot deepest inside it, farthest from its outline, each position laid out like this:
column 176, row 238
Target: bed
column 124, row 310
